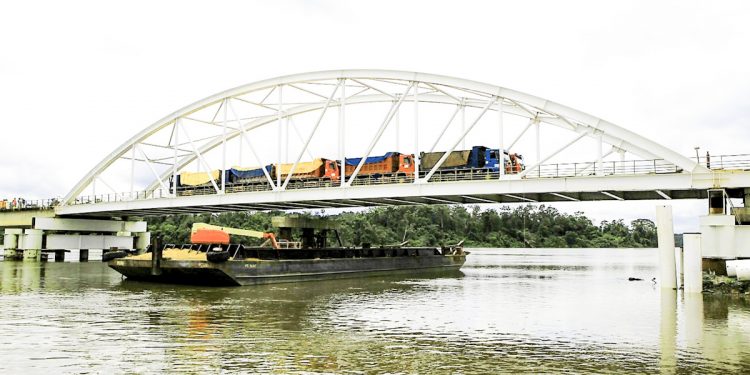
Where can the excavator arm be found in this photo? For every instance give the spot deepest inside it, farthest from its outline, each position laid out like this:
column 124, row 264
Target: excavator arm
column 203, row 233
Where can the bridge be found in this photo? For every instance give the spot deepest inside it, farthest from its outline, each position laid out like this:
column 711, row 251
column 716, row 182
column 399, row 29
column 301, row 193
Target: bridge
column 354, row 113
column 568, row 155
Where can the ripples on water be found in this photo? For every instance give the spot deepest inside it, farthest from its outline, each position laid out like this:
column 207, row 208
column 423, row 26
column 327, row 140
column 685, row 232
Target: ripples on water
column 517, row 310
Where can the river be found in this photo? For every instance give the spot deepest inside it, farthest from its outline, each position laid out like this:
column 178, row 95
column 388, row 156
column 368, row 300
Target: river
column 508, row 310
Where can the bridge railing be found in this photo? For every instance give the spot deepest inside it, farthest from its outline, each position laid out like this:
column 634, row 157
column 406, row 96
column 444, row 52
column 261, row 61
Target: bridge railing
column 20, row 204
column 557, row 170
column 719, row 162
column 122, row 197
column 607, row 168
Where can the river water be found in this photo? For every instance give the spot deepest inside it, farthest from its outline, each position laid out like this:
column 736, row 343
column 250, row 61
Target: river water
column 508, row 310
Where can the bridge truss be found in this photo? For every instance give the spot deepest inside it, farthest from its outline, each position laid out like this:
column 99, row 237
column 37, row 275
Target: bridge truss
column 360, row 113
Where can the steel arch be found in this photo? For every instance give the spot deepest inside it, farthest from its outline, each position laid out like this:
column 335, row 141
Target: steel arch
column 494, row 97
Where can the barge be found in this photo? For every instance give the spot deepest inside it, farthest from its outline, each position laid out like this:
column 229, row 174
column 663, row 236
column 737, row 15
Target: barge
column 212, row 260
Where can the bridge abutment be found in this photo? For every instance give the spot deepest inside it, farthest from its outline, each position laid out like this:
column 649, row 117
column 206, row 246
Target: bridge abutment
column 60, row 235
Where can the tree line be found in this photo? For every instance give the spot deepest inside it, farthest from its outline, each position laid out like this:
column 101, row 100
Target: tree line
column 437, row 225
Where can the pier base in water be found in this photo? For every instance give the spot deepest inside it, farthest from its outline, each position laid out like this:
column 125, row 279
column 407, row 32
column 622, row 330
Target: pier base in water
column 34, row 255
column 12, row 254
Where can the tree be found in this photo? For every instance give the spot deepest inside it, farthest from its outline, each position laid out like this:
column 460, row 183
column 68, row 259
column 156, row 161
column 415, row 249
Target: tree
column 521, row 226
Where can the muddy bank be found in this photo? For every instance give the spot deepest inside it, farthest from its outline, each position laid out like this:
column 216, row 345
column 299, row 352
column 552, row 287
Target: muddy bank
column 717, row 284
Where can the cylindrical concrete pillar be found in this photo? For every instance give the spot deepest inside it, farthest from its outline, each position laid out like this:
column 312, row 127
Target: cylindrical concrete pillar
column 32, row 244
column 142, row 240
column 10, row 239
column 692, row 263
column 665, row 236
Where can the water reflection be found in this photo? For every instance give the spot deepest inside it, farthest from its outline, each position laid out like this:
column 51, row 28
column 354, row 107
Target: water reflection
column 508, row 311
column 18, row 276
column 668, row 330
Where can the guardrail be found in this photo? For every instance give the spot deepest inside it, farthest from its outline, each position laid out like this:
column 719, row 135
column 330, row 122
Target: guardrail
column 558, row 170
column 20, row 204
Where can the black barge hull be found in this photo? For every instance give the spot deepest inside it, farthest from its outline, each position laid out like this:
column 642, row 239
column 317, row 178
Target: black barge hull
column 262, row 271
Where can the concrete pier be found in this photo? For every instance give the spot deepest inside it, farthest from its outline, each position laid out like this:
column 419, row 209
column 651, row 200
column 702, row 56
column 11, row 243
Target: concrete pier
column 665, row 234
column 142, row 241
column 11, row 241
column 32, row 245
column 692, row 263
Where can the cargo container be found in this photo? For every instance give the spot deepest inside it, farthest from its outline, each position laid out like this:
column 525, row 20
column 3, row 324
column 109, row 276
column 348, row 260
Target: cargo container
column 318, row 168
column 240, row 174
column 391, row 162
column 196, row 179
column 476, row 158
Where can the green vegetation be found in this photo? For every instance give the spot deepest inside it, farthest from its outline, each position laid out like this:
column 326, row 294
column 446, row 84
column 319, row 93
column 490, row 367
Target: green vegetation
column 524, row 226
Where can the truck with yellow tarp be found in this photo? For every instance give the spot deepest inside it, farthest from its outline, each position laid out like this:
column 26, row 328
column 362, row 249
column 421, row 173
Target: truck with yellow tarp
column 192, row 182
column 392, row 167
column 189, row 183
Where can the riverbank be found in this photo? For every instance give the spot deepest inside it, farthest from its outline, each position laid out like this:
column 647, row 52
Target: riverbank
column 716, row 284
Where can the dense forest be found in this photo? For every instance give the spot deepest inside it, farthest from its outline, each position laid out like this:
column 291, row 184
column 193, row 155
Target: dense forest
column 524, row 226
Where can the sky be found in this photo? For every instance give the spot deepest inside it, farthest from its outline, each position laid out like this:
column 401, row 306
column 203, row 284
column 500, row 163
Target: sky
column 78, row 78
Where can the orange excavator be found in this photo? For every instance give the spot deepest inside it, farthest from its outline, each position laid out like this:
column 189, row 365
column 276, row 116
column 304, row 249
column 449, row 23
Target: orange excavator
column 203, row 233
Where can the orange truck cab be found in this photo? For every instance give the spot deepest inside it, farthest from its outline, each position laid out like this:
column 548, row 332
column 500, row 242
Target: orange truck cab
column 406, row 163
column 331, row 169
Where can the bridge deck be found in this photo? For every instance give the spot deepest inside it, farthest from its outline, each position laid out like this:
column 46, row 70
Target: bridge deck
column 507, row 190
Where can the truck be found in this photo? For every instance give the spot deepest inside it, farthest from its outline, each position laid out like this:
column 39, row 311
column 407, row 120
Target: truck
column 391, row 162
column 478, row 157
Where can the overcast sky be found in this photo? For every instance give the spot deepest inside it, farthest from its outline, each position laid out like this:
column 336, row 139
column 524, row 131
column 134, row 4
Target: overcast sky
column 79, row 78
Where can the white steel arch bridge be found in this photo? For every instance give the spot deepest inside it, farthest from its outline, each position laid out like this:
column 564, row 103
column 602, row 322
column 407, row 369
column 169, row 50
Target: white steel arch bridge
column 346, row 116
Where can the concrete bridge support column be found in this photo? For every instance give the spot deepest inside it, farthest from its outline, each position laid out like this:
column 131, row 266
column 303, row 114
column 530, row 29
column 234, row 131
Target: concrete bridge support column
column 665, row 235
column 142, row 240
column 32, row 245
column 10, row 242
column 693, row 263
